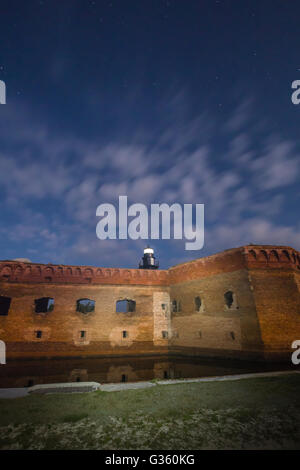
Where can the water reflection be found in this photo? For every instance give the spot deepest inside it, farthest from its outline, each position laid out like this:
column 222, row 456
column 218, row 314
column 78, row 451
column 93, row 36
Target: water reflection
column 26, row 373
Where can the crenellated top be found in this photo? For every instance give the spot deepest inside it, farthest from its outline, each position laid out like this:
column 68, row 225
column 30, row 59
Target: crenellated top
column 15, row 271
column 246, row 257
column 272, row 256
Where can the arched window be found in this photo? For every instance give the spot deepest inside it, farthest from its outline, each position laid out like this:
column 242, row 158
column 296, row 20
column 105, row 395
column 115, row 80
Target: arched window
column 252, row 253
column 274, row 255
column 44, row 305
column 85, row 305
column 229, row 299
column 4, row 304
column 126, row 305
column 198, row 304
column 263, row 255
column 286, row 254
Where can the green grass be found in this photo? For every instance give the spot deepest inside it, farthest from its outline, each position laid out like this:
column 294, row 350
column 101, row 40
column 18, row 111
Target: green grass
column 251, row 413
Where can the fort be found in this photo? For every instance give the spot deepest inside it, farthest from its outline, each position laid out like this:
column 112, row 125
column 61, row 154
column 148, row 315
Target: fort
column 241, row 303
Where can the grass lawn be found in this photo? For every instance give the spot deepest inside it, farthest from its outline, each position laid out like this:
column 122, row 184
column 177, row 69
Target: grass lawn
column 261, row 413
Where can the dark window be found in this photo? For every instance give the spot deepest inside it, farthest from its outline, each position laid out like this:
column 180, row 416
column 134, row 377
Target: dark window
column 85, row 305
column 166, row 375
column 275, row 254
column 264, row 254
column 121, row 306
column 174, row 306
column 163, row 306
column 4, row 305
column 77, row 379
column 124, row 306
column 124, row 378
column 232, row 335
column 198, row 303
column 38, row 334
column 228, row 296
column 131, row 306
column 286, row 254
column 125, row 334
column 82, row 334
column 164, row 334
column 44, row 305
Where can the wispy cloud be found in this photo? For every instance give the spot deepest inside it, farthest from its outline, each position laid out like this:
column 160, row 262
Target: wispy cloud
column 51, row 184
column 277, row 166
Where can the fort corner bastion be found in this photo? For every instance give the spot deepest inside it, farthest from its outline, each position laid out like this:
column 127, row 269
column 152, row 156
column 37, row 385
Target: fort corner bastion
column 243, row 303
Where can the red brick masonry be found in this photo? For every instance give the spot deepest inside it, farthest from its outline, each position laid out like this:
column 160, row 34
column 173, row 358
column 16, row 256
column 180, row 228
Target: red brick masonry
column 262, row 322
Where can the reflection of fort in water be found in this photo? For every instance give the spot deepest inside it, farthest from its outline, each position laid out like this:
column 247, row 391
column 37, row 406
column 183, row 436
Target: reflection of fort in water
column 107, row 370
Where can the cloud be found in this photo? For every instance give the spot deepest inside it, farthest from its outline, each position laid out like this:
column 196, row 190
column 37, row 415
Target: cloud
column 51, row 184
column 127, row 160
column 240, row 116
column 257, row 231
column 278, row 166
column 37, row 179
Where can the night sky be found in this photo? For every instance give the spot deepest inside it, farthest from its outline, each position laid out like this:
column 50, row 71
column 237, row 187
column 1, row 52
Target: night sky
column 164, row 101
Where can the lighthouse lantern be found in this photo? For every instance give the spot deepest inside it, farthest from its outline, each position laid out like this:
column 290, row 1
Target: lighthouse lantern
column 148, row 261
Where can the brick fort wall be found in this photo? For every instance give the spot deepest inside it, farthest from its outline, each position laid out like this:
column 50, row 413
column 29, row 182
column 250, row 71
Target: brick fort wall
column 243, row 302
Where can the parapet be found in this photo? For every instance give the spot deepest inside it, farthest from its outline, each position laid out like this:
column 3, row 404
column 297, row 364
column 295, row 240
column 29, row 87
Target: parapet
column 272, row 257
column 245, row 257
column 17, row 272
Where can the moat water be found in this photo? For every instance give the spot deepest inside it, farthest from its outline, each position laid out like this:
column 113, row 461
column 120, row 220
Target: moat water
column 25, row 373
